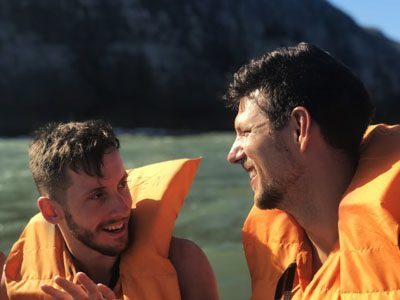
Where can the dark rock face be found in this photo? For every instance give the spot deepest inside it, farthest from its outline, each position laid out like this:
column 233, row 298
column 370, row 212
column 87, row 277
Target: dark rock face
column 160, row 63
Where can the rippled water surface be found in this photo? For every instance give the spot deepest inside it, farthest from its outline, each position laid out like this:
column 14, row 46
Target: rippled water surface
column 212, row 216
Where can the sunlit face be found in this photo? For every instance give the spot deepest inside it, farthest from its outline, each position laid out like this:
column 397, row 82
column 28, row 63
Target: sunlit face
column 97, row 210
column 264, row 155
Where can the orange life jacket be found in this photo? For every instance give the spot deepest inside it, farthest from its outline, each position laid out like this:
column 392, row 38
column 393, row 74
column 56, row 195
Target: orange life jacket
column 145, row 272
column 365, row 263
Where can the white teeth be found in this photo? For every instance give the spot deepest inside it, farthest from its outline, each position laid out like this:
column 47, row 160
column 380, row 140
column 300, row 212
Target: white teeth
column 114, row 227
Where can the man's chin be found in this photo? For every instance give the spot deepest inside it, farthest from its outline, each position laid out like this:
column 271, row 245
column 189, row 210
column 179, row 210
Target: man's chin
column 112, row 252
column 267, row 201
column 262, row 205
column 115, row 247
column 112, row 249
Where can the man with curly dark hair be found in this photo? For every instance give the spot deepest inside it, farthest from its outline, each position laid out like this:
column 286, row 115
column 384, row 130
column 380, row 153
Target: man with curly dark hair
column 326, row 213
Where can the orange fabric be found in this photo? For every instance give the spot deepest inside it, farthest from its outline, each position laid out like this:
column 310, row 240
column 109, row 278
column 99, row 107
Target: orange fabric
column 365, row 264
column 145, row 270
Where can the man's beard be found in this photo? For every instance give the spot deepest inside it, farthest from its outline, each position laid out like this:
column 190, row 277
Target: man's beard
column 271, row 196
column 87, row 237
column 275, row 193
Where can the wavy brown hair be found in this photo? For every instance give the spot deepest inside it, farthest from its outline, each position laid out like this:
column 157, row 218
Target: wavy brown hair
column 79, row 146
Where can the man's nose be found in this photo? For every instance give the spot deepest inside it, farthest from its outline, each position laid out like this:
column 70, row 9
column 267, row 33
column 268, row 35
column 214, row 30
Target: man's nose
column 236, row 154
column 122, row 202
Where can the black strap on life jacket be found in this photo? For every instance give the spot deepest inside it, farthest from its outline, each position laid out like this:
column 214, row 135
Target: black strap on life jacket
column 285, row 283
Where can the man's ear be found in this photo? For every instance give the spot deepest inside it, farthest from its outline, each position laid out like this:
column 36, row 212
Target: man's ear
column 301, row 127
column 50, row 209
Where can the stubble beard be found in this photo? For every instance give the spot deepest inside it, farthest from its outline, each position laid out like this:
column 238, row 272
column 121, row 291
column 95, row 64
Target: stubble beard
column 270, row 197
column 274, row 194
column 87, row 237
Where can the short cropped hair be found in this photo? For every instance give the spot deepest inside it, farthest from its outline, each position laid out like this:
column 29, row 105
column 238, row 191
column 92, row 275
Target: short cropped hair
column 79, row 146
column 307, row 76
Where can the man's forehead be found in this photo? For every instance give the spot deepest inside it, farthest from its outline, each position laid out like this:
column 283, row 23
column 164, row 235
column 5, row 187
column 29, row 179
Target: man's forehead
column 243, row 104
column 249, row 113
column 252, row 97
column 79, row 177
column 112, row 167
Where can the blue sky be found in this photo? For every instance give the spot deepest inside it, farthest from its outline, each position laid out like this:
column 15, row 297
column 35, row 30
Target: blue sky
column 381, row 14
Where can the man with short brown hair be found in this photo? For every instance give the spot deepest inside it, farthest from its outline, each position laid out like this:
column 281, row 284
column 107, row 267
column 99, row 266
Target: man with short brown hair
column 88, row 233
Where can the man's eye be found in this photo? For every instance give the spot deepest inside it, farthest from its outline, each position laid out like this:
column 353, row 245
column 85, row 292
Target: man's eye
column 123, row 184
column 97, row 195
column 245, row 132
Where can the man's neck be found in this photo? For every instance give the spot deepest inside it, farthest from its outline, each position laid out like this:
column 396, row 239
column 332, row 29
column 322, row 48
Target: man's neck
column 320, row 253
column 97, row 266
column 317, row 211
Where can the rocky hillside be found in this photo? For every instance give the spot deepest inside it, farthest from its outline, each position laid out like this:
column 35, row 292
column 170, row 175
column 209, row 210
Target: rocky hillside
column 159, row 63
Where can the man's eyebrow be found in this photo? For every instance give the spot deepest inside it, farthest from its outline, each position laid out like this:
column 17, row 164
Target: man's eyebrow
column 125, row 177
column 91, row 191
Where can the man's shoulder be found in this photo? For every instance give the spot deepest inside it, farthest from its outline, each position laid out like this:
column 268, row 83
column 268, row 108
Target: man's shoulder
column 187, row 257
column 3, row 291
column 195, row 275
column 183, row 248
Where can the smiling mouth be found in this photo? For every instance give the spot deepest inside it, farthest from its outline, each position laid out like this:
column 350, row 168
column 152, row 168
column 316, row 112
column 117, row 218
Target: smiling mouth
column 115, row 227
column 253, row 181
column 252, row 173
column 252, row 177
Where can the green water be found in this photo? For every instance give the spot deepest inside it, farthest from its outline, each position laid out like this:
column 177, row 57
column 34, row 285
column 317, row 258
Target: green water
column 212, row 216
